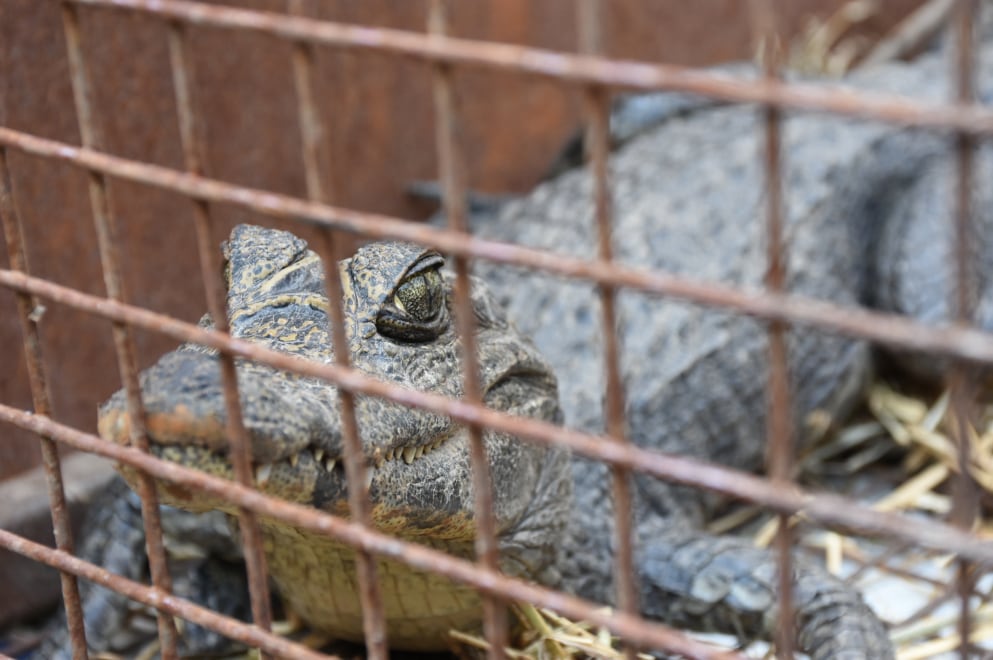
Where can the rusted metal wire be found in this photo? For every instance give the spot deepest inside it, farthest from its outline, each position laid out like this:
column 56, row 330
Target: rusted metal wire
column 373, row 617
column 491, row 582
column 451, row 170
column 580, row 69
column 194, row 144
column 831, row 511
column 965, row 500
column 779, row 432
column 597, row 143
column 110, row 262
column 163, row 602
column 311, row 131
column 887, row 329
column 356, row 470
column 41, row 399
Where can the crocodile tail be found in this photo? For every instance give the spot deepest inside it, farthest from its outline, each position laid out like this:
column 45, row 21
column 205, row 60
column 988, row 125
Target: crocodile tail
column 719, row 584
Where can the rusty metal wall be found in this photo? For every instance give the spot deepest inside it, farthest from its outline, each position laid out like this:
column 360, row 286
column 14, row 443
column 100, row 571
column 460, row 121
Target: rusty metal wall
column 381, row 137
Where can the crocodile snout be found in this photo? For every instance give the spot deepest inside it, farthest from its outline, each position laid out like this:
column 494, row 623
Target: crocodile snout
column 183, row 396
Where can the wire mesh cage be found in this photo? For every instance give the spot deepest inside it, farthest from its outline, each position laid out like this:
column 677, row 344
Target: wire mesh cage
column 777, row 313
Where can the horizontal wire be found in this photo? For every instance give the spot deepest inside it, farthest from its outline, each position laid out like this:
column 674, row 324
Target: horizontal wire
column 832, row 511
column 573, row 68
column 160, row 600
column 890, row 329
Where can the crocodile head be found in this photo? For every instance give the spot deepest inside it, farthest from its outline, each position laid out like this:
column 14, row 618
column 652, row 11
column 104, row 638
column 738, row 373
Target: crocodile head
column 398, row 308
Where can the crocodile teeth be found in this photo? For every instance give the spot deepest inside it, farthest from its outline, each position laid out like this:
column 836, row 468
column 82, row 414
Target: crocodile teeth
column 329, row 464
column 418, row 452
column 368, row 479
column 293, row 460
column 319, row 455
column 409, row 454
column 390, row 455
column 262, row 474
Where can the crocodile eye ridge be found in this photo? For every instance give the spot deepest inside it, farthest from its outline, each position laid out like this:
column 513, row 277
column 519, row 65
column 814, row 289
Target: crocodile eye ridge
column 416, row 311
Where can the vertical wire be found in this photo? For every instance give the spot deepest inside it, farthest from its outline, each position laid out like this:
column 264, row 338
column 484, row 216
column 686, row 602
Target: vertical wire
column 195, row 158
column 311, row 130
column 779, row 457
column 961, row 376
column 453, row 185
column 41, row 398
column 597, row 144
column 373, row 620
column 107, row 237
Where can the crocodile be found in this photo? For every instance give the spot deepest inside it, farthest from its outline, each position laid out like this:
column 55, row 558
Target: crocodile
column 866, row 205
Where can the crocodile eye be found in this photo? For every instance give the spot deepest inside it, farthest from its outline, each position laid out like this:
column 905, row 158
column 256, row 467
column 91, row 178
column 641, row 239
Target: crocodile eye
column 420, row 296
column 416, row 311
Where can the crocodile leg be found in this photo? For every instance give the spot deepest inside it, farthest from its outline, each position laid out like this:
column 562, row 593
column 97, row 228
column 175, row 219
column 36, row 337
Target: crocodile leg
column 723, row 584
column 202, row 560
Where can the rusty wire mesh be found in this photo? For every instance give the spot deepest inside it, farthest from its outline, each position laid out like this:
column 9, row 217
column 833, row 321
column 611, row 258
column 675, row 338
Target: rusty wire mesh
column 597, row 76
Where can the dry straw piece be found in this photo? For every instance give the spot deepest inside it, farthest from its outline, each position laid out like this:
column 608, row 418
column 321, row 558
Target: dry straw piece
column 900, row 457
